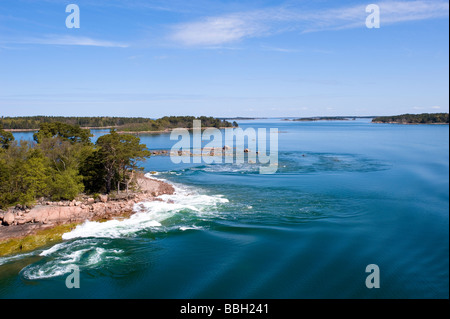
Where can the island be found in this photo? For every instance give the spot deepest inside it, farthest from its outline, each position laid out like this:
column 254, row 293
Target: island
column 319, row 118
column 62, row 179
column 424, row 118
column 122, row 124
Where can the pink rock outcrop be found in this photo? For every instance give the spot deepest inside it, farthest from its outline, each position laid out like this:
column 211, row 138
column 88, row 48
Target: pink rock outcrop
column 48, row 213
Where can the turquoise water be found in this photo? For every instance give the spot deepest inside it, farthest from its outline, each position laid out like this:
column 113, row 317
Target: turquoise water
column 346, row 194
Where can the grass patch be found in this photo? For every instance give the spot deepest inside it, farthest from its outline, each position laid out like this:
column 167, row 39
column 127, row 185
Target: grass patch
column 30, row 242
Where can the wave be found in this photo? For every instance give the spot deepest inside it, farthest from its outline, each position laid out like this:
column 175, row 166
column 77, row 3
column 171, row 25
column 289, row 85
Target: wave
column 5, row 260
column 59, row 259
column 296, row 163
column 151, row 215
column 93, row 245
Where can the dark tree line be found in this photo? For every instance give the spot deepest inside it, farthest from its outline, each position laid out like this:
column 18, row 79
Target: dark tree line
column 425, row 118
column 122, row 123
column 63, row 162
column 34, row 122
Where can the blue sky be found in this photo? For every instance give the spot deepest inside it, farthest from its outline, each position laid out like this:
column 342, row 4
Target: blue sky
column 223, row 58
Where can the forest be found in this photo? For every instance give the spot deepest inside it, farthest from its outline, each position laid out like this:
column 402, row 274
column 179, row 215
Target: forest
column 424, row 118
column 62, row 162
column 129, row 124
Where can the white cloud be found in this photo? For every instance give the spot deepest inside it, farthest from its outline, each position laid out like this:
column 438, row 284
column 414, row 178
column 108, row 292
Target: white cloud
column 218, row 30
column 70, row 40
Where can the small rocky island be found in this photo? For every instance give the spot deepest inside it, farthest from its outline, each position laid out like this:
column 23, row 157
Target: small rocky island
column 61, row 179
column 320, row 118
column 23, row 227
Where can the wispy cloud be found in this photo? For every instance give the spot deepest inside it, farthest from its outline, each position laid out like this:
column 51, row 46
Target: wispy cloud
column 218, row 30
column 230, row 28
column 68, row 40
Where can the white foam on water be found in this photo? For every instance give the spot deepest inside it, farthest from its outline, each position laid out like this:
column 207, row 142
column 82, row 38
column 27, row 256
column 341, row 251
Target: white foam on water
column 85, row 245
column 65, row 245
column 60, row 258
column 150, row 215
column 4, row 260
column 193, row 227
column 47, row 271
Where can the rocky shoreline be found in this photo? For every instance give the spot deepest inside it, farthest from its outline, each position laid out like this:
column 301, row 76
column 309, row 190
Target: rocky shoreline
column 19, row 222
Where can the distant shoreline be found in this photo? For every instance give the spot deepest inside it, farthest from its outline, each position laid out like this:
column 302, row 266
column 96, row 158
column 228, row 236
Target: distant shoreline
column 37, row 129
column 168, row 130
column 424, row 118
column 380, row 122
column 27, row 229
column 18, row 130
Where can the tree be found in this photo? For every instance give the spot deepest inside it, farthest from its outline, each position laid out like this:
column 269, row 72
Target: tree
column 24, row 174
column 71, row 133
column 64, row 163
column 119, row 154
column 66, row 147
column 131, row 152
column 109, row 149
column 66, row 184
column 34, row 177
column 93, row 171
column 5, row 138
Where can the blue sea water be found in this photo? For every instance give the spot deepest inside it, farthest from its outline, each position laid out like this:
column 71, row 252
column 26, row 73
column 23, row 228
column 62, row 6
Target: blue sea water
column 346, row 194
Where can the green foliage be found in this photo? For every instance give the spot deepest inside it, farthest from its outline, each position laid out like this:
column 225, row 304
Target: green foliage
column 93, row 172
column 66, row 184
column 123, row 123
column 34, row 122
column 425, row 118
column 64, row 163
column 171, row 122
column 5, row 138
column 34, row 177
column 66, row 132
column 24, row 174
column 119, row 155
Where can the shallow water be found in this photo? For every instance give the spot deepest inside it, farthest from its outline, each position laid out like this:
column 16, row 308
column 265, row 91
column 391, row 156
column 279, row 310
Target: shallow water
column 346, row 194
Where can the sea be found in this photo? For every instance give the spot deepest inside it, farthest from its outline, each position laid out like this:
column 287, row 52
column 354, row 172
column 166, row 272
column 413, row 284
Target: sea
column 354, row 210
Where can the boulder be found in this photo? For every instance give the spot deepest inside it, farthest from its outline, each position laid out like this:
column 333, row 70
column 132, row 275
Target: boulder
column 8, row 219
column 90, row 201
column 20, row 221
column 103, row 198
column 28, row 218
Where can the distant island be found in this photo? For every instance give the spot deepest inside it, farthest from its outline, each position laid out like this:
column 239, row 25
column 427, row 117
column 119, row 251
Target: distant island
column 325, row 118
column 122, row 124
column 241, row 118
column 424, row 118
